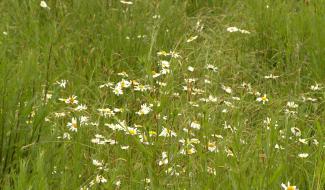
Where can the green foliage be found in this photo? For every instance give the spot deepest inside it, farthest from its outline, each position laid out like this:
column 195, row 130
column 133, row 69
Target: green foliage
column 89, row 43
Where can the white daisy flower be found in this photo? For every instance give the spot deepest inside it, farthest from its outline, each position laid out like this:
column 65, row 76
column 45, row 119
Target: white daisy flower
column 145, row 109
column 226, row 89
column 191, row 69
column 132, row 131
column 296, row 131
column 292, row 105
column 271, row 76
column 212, row 68
column 97, row 163
column 303, row 155
column 62, row 83
column 43, row 4
column 315, row 87
column 232, row 29
column 73, row 125
column 164, row 159
column 212, row 147
column 117, row 90
column 106, row 112
column 70, row 100
column 167, row 133
column 288, row 187
column 262, row 99
column 100, row 179
column 81, row 107
column 126, row 2
column 165, row 64
column 195, row 125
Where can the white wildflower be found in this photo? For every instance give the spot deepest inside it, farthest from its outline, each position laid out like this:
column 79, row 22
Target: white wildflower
column 62, row 83
column 43, row 4
column 262, row 99
column 126, row 2
column 145, row 109
column 195, row 125
column 73, row 125
column 296, row 131
column 271, row 76
column 288, row 187
column 303, row 155
column 190, row 68
column 167, row 133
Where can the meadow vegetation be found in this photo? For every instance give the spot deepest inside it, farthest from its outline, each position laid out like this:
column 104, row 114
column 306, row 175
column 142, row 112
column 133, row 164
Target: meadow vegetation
column 162, row 94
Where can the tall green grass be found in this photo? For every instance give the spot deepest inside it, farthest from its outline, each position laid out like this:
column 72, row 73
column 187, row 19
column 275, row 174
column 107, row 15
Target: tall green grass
column 89, row 42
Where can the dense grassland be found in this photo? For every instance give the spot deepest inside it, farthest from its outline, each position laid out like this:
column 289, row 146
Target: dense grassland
column 170, row 94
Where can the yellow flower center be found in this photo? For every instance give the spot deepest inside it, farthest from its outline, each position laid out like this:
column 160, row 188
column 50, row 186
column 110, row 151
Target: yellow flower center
column 291, row 188
column 132, row 132
column 264, row 98
column 74, row 125
column 123, row 85
column 153, row 133
column 190, row 151
column 211, row 145
column 71, row 100
column 164, row 53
